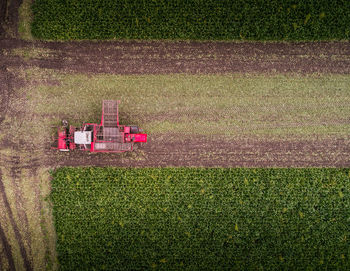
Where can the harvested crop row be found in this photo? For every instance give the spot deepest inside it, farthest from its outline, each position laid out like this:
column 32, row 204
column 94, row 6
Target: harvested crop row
column 183, row 218
column 192, row 19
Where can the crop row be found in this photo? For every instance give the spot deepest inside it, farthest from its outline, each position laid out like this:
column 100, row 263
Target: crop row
column 192, row 19
column 132, row 219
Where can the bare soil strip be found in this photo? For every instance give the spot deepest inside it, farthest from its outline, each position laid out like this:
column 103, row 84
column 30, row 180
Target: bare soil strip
column 159, row 57
column 179, row 151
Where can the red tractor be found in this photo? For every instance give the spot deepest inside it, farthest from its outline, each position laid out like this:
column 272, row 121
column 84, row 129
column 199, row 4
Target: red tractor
column 108, row 136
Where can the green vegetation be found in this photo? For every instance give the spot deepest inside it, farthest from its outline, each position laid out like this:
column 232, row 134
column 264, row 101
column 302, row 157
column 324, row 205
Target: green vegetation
column 190, row 219
column 273, row 106
column 192, row 19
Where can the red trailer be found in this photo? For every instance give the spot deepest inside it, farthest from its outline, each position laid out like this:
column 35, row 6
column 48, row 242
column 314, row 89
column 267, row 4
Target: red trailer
column 108, row 136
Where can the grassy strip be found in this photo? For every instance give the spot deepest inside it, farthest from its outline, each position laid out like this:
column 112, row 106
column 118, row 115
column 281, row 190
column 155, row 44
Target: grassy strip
column 25, row 17
column 190, row 219
column 278, row 106
column 192, row 19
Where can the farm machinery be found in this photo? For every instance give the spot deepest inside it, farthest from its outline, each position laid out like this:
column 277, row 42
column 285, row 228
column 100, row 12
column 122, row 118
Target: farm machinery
column 108, row 136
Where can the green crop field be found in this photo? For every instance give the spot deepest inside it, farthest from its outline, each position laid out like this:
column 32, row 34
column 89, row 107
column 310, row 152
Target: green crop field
column 192, row 19
column 189, row 219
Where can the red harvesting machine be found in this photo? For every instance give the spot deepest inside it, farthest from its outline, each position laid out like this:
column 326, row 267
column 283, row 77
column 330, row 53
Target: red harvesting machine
column 108, row 136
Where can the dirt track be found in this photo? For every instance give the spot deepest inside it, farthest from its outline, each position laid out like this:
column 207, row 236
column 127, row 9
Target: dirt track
column 155, row 57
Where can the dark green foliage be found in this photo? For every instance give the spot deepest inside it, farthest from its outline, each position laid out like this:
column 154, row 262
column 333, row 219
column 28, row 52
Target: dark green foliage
column 202, row 219
column 192, row 19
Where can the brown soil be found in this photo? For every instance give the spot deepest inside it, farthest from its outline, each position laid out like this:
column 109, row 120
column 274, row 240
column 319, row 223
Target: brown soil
column 159, row 57
column 193, row 151
column 9, row 18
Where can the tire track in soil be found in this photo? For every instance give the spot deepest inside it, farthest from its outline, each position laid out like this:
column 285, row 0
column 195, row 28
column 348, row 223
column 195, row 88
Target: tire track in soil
column 9, row 17
column 205, row 152
column 18, row 236
column 7, row 248
column 16, row 177
column 4, row 91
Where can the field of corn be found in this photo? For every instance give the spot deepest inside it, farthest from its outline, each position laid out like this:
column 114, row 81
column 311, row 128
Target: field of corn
column 192, row 19
column 189, row 219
